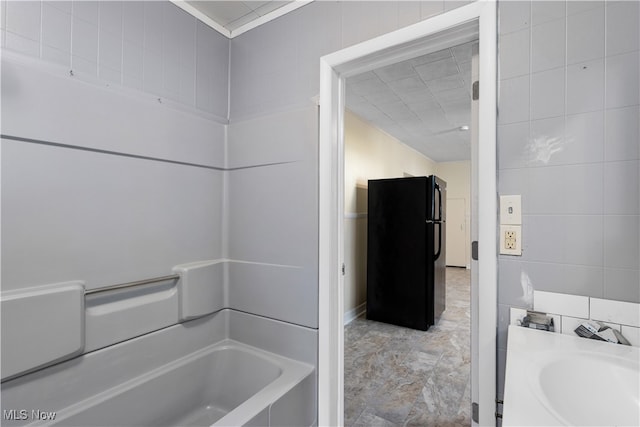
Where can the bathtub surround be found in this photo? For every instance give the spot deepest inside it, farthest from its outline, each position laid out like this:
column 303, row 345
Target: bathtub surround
column 91, row 194
column 100, row 167
column 272, row 213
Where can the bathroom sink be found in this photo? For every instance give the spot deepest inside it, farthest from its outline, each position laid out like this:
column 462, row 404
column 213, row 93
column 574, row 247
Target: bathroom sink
column 553, row 379
column 584, row 388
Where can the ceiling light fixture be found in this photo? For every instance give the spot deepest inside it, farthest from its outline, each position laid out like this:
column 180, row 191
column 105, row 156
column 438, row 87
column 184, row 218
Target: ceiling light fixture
column 464, row 127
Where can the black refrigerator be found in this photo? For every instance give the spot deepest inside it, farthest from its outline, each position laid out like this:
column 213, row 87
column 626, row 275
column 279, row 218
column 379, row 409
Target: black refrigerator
column 406, row 251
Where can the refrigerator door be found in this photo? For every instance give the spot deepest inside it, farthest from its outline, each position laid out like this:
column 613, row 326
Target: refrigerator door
column 397, row 251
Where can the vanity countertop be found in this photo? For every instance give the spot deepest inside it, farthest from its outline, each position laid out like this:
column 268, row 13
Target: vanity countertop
column 554, row 379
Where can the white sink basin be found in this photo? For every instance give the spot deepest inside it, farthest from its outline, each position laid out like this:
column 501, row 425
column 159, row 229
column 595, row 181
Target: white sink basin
column 555, row 379
column 577, row 388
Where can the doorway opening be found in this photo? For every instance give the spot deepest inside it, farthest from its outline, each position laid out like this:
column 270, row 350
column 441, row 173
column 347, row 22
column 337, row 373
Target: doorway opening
column 405, row 122
column 467, row 23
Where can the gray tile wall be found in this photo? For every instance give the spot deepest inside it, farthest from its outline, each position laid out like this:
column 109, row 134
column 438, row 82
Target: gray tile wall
column 568, row 142
column 144, row 45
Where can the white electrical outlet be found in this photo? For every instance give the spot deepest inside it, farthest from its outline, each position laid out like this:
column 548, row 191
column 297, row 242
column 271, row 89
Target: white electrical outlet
column 511, row 210
column 511, row 240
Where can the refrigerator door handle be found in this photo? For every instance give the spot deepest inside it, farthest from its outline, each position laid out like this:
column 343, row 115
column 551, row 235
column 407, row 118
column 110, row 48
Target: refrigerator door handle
column 440, row 202
column 439, row 224
column 438, row 221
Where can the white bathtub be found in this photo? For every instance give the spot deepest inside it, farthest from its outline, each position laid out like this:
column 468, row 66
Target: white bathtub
column 140, row 383
column 227, row 384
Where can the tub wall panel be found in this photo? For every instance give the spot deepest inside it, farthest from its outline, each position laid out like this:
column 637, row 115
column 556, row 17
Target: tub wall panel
column 105, row 219
column 273, row 205
column 273, row 215
column 273, row 291
column 295, row 342
column 278, row 137
column 82, row 114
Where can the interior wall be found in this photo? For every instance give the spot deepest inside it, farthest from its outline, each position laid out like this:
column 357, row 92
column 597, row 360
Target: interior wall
column 369, row 153
column 568, row 143
column 458, row 178
column 101, row 182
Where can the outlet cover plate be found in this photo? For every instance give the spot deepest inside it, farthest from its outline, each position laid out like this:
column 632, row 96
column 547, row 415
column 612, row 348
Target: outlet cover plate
column 511, row 210
column 511, row 240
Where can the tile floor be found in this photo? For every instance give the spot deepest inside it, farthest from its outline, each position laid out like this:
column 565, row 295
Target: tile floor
column 395, row 376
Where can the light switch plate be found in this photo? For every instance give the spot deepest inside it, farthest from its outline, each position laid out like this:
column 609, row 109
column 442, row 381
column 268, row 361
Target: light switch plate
column 511, row 240
column 511, row 210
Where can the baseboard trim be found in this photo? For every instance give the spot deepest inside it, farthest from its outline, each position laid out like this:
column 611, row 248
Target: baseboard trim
column 349, row 315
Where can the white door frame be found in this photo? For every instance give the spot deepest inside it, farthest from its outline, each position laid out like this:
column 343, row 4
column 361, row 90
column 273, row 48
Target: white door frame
column 415, row 40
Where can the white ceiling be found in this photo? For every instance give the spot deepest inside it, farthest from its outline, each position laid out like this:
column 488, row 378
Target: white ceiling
column 232, row 18
column 422, row 102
